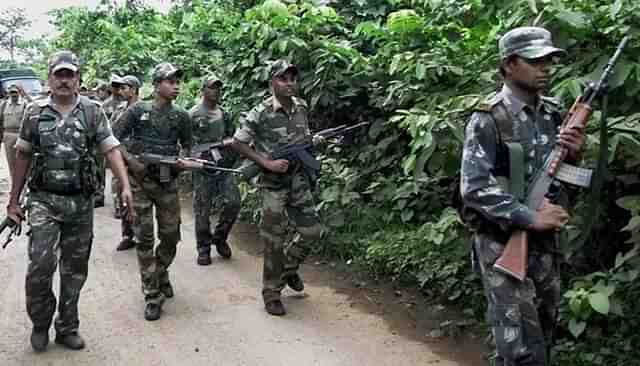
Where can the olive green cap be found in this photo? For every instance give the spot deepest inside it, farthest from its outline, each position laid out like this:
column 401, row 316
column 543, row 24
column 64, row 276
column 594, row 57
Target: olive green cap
column 281, row 66
column 12, row 88
column 132, row 81
column 165, row 71
column 527, row 42
column 211, row 78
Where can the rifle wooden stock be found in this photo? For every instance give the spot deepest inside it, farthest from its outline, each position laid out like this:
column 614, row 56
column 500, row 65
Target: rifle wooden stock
column 513, row 260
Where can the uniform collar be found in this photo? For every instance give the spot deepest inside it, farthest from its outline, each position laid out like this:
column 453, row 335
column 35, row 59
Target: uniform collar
column 513, row 103
column 516, row 105
column 275, row 104
column 49, row 103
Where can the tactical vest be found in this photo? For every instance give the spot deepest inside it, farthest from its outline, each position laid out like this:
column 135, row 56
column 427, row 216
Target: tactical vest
column 509, row 167
column 152, row 138
column 148, row 137
column 64, row 161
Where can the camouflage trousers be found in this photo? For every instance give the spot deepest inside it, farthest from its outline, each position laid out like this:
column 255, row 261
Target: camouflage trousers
column 154, row 261
column 61, row 231
column 521, row 314
column 291, row 203
column 209, row 191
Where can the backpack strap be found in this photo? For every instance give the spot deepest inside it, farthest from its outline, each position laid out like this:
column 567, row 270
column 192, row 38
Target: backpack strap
column 509, row 136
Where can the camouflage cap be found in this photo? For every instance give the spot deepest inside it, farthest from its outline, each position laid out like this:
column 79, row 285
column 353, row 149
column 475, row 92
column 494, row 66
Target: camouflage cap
column 12, row 88
column 281, row 66
column 211, row 79
column 132, row 81
column 116, row 80
column 165, row 71
column 527, row 42
column 63, row 60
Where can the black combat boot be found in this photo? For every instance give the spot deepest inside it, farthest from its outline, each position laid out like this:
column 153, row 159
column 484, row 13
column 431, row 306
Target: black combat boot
column 275, row 307
column 71, row 341
column 223, row 249
column 152, row 311
column 39, row 339
column 294, row 281
column 204, row 258
column 126, row 243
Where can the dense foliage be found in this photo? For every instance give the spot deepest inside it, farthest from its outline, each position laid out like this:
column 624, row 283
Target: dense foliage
column 415, row 69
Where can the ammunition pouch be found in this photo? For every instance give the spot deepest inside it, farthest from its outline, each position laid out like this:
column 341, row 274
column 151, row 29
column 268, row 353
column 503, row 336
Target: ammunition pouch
column 64, row 177
column 161, row 173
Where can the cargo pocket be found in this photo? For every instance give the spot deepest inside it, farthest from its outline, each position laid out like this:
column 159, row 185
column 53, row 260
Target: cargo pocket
column 506, row 322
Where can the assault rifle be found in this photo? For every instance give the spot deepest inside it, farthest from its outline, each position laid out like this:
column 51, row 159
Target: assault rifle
column 513, row 261
column 188, row 162
column 302, row 152
column 198, row 150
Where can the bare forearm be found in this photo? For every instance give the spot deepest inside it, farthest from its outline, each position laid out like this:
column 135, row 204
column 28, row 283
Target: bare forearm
column 22, row 164
column 118, row 168
column 246, row 151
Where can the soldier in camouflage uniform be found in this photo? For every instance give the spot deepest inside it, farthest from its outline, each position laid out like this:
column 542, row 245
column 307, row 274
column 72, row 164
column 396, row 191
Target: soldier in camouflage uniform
column 275, row 122
column 59, row 139
column 109, row 107
column 210, row 125
column 157, row 127
column 522, row 314
column 130, row 91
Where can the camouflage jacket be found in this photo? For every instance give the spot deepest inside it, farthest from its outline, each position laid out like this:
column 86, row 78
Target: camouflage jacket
column 211, row 127
column 535, row 128
column 158, row 131
column 270, row 127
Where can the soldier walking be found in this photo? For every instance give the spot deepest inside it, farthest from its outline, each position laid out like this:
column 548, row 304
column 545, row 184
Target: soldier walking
column 157, row 127
column 522, row 314
column 279, row 120
column 212, row 124
column 59, row 139
column 130, row 91
column 11, row 111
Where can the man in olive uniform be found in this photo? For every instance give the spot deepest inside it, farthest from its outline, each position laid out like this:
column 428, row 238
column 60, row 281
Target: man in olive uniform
column 58, row 140
column 109, row 106
column 279, row 120
column 11, row 111
column 210, row 125
column 522, row 313
column 130, row 91
column 157, row 127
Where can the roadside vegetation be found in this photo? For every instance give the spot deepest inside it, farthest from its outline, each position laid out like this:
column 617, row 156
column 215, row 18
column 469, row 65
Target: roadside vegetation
column 414, row 69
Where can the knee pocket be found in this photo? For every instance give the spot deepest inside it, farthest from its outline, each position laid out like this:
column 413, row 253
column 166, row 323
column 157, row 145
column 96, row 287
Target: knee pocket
column 506, row 321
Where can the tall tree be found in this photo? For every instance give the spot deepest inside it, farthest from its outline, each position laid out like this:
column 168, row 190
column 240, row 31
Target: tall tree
column 13, row 23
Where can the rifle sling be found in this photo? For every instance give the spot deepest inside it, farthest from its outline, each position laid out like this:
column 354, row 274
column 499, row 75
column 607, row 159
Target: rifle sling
column 516, row 170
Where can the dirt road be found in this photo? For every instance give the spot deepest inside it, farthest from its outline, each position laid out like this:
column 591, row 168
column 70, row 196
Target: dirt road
column 216, row 317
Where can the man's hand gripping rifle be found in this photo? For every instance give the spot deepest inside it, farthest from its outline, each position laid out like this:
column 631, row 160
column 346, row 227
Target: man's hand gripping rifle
column 513, row 261
column 302, row 151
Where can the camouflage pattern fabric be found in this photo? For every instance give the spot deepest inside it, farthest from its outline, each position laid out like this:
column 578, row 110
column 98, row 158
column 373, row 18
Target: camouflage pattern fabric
column 286, row 197
column 70, row 218
column 158, row 131
column 61, row 225
column 291, row 205
column 154, row 263
column 521, row 314
column 220, row 190
column 209, row 188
